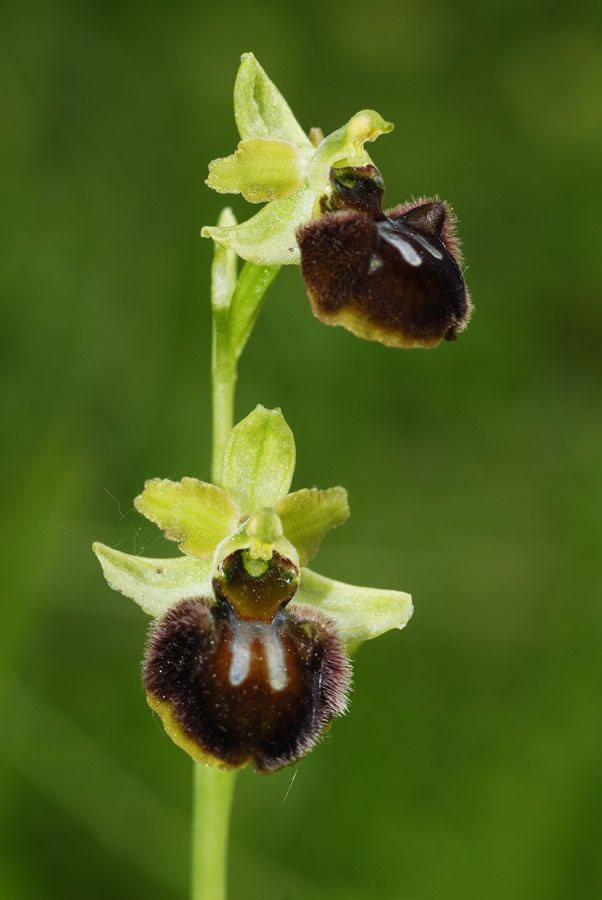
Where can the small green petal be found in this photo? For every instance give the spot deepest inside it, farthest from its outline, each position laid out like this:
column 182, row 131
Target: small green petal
column 359, row 613
column 196, row 514
column 260, row 109
column 260, row 170
column 259, row 460
column 155, row 584
column 307, row 515
column 268, row 237
column 345, row 147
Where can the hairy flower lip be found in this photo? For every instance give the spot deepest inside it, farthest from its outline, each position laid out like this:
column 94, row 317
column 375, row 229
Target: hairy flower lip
column 392, row 277
column 232, row 693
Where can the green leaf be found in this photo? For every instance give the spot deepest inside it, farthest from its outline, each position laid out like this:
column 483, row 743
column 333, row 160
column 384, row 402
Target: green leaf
column 247, row 300
column 196, row 514
column 359, row 613
column 155, row 584
column 308, row 514
column 259, row 460
column 268, row 237
column 260, row 170
column 260, row 109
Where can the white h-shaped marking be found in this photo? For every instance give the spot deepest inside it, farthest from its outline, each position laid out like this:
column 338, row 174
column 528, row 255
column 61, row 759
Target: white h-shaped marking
column 244, row 634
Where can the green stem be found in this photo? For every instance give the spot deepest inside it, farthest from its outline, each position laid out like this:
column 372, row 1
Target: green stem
column 236, row 306
column 223, row 380
column 213, row 791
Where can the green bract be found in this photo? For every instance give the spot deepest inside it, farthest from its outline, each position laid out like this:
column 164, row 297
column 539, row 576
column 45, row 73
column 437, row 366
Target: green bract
column 252, row 510
column 276, row 163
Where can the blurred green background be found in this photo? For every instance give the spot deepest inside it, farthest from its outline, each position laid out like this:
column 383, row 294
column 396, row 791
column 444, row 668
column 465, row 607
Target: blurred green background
column 469, row 766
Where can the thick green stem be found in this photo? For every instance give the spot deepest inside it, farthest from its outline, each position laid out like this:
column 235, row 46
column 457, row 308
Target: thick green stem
column 213, row 791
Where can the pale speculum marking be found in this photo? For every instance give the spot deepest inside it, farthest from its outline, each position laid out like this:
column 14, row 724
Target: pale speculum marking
column 275, row 659
column 248, row 635
column 241, row 656
column 405, row 248
column 428, row 246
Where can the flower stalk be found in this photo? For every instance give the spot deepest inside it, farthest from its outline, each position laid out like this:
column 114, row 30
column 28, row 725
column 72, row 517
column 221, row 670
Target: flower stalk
column 236, row 302
column 212, row 804
column 223, row 384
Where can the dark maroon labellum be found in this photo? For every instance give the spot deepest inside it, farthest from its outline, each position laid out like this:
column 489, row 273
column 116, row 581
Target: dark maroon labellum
column 391, row 277
column 233, row 687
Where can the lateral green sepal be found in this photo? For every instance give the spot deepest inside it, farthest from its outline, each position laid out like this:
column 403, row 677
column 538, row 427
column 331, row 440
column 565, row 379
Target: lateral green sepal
column 359, row 613
column 268, row 237
column 155, row 584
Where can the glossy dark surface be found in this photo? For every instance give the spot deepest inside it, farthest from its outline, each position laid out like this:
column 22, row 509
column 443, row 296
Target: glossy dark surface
column 392, row 277
column 359, row 188
column 257, row 598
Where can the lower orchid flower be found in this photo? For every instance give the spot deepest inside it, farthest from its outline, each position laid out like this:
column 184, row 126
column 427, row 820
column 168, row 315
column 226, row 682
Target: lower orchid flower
column 248, row 655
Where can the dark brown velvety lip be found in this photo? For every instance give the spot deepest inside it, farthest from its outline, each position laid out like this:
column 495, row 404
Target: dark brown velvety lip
column 391, row 277
column 235, row 690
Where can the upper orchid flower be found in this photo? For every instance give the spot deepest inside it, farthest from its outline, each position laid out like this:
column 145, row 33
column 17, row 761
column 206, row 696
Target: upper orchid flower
column 392, row 276
column 247, row 660
column 278, row 164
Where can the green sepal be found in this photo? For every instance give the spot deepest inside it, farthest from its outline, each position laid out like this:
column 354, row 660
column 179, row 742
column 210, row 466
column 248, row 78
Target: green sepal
column 260, row 109
column 359, row 613
column 308, row 514
column 260, row 170
column 155, row 584
column 196, row 514
column 259, row 460
column 268, row 237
